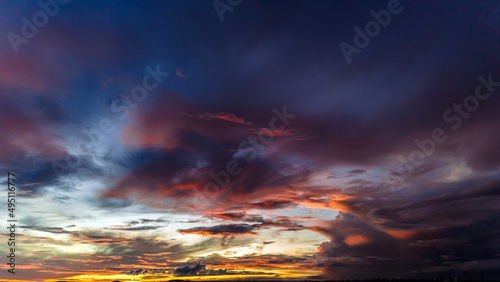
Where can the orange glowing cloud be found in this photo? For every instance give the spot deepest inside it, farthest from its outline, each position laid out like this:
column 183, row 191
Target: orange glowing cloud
column 354, row 240
column 402, row 234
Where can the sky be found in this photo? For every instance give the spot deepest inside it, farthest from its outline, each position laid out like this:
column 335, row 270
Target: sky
column 228, row 139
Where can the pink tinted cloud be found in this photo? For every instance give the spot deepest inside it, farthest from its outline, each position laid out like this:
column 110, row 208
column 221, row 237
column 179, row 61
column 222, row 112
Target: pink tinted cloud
column 224, row 116
column 22, row 134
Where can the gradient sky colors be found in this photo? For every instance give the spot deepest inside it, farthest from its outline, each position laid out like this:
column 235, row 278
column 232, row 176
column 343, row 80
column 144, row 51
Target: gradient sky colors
column 112, row 186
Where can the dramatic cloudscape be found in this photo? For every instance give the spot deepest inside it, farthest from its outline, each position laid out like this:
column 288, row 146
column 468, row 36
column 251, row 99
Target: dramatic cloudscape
column 250, row 139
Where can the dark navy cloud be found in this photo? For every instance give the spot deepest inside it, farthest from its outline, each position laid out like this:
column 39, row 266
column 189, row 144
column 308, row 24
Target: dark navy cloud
column 225, row 79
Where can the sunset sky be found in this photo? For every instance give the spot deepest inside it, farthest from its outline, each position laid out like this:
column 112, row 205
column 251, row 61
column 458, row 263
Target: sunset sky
column 219, row 140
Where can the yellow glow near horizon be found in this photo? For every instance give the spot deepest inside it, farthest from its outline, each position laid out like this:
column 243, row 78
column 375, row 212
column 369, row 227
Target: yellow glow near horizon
column 160, row 277
column 99, row 277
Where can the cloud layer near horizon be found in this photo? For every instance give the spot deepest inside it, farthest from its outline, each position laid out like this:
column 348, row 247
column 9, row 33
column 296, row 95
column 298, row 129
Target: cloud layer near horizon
column 262, row 144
